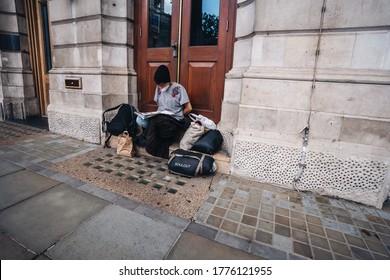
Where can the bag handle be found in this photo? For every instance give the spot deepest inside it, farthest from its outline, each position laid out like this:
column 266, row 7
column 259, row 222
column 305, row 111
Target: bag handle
column 193, row 116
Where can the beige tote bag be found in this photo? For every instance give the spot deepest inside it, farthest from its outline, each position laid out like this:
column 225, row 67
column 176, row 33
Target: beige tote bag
column 125, row 145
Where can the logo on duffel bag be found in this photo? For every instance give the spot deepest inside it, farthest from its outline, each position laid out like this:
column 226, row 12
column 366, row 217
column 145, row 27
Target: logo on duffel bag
column 182, row 165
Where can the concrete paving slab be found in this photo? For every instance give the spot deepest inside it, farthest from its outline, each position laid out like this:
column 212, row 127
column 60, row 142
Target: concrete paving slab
column 18, row 186
column 42, row 220
column 194, row 247
column 7, row 167
column 117, row 233
column 11, row 250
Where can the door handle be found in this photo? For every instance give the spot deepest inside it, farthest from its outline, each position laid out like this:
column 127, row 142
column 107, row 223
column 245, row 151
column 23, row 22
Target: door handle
column 174, row 52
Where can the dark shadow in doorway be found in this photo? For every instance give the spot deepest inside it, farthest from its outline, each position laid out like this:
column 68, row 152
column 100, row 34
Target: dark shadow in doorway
column 38, row 122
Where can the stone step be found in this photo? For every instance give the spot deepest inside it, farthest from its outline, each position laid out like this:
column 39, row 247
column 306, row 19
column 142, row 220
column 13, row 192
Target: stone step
column 221, row 159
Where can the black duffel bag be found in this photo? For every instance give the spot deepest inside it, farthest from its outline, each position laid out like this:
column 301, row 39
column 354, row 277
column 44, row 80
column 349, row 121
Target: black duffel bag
column 208, row 143
column 190, row 164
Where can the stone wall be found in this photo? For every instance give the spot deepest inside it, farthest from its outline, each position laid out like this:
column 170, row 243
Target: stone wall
column 1, row 94
column 18, row 98
column 320, row 63
column 92, row 40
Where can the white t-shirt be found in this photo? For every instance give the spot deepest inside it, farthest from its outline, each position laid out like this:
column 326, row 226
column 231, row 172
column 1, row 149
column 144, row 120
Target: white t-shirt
column 172, row 98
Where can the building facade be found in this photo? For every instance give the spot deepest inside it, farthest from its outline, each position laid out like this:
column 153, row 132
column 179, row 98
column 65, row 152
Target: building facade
column 304, row 100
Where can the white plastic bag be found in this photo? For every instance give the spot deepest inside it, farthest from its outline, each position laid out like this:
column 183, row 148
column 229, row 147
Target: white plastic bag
column 203, row 120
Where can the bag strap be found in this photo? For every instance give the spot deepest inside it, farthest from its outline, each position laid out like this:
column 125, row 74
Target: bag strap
column 200, row 166
column 106, row 144
column 193, row 116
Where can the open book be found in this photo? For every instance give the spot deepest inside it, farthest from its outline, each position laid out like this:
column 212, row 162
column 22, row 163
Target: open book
column 147, row 115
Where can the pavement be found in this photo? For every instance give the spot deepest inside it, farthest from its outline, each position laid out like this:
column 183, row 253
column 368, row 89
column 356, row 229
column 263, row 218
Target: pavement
column 45, row 214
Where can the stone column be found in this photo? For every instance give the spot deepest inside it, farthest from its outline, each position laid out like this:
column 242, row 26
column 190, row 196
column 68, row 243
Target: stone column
column 245, row 22
column 93, row 42
column 324, row 65
column 18, row 96
column 1, row 94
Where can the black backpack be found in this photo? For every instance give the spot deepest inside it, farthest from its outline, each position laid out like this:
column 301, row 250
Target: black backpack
column 124, row 120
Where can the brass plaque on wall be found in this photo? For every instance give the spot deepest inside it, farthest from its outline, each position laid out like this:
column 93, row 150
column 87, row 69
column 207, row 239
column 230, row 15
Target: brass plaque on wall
column 73, row 82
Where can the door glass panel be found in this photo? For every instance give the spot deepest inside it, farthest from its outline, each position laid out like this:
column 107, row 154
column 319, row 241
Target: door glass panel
column 204, row 22
column 46, row 36
column 160, row 21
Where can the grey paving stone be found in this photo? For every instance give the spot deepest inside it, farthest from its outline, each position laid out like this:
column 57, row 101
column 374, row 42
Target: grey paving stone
column 282, row 203
column 160, row 215
column 337, row 203
column 311, row 211
column 202, row 230
column 349, row 229
column 309, row 201
column 127, row 203
column 361, row 254
column 61, row 177
column 42, row 220
column 233, row 241
column 47, row 172
column 20, row 185
column 332, row 224
column 96, row 191
column 384, row 214
column 267, row 252
column 283, row 243
column 11, row 250
column 117, row 233
column 35, row 167
column 12, row 156
column 75, row 183
column 194, row 247
column 7, row 167
column 296, row 257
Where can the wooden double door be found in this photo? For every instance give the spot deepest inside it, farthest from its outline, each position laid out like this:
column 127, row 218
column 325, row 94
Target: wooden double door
column 194, row 38
column 37, row 21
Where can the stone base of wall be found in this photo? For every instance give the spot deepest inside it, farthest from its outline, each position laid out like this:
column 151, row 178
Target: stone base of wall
column 227, row 131
column 75, row 125
column 358, row 179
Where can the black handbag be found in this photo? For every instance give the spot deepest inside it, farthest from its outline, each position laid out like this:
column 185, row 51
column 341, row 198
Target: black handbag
column 209, row 143
column 190, row 164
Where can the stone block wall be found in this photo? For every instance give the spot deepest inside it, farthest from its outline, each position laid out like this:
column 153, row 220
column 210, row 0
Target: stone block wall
column 1, row 94
column 92, row 40
column 17, row 97
column 320, row 63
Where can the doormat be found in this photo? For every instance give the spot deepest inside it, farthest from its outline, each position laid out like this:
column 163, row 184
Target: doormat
column 141, row 178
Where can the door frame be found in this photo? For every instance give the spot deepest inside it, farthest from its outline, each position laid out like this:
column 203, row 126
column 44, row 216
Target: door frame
column 140, row 30
column 37, row 51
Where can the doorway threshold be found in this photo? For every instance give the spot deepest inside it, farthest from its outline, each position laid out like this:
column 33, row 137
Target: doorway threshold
column 37, row 122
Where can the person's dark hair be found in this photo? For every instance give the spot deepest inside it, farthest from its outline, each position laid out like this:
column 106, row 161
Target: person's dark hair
column 162, row 75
